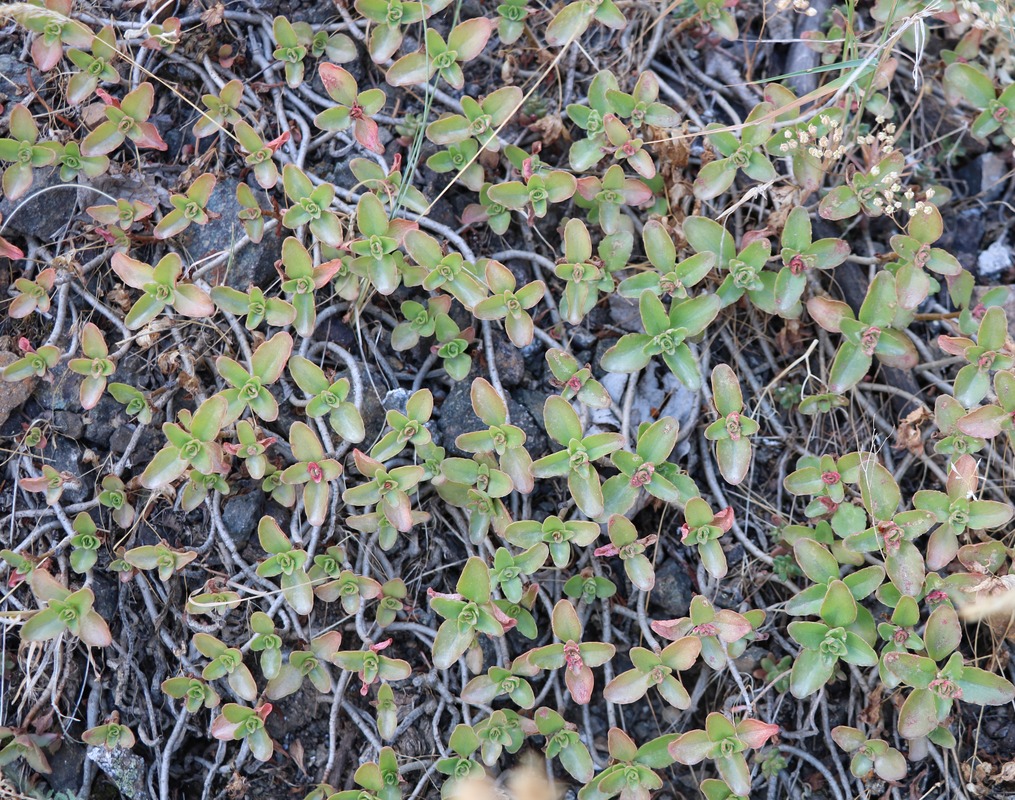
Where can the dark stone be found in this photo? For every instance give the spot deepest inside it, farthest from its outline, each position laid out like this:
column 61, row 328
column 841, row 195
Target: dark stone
column 45, row 215
column 601, row 347
column 334, row 329
column 510, row 362
column 64, row 455
column 962, row 236
column 674, row 588
column 457, row 417
column 373, row 412
column 106, row 588
column 146, row 446
column 241, row 512
column 67, row 764
column 15, row 71
column 125, row 769
column 71, row 425
column 62, row 393
column 101, row 421
column 253, row 264
column 625, row 313
column 290, row 714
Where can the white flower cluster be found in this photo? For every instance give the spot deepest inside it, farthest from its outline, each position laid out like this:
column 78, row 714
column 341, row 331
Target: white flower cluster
column 826, row 146
column 800, row 6
column 884, row 138
column 985, row 15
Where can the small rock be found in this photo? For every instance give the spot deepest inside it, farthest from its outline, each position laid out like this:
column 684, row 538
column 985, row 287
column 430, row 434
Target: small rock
column 457, row 417
column 993, row 169
column 625, row 313
column 72, row 426
column 995, row 260
column 373, row 412
column 289, row 715
column 66, row 764
column 63, row 393
column 106, row 588
column 146, row 446
column 15, row 71
column 510, row 362
column 674, row 588
column 64, row 455
column 241, row 512
column 13, row 395
column 126, row 770
column 251, row 265
column 396, row 400
column 101, row 421
column 45, row 214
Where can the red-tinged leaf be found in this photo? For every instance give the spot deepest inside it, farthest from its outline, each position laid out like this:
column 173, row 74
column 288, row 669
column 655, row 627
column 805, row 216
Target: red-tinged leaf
column 339, row 84
column 368, row 134
column 192, row 301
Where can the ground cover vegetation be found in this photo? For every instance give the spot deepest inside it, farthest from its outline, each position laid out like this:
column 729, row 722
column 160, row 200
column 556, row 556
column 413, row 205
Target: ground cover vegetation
column 396, row 394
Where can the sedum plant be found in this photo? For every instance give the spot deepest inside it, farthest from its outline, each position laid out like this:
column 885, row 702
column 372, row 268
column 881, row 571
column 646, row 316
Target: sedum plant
column 509, row 303
column 577, row 459
column 64, row 610
column 703, row 528
column 444, row 58
column 746, row 154
column 248, row 389
column 86, row 543
column 370, row 666
column 167, row 560
column 287, row 562
column 564, row 744
column 311, row 206
column 240, row 722
column 625, row 542
column 870, row 755
column 32, row 294
column 656, row 670
column 666, row 335
column 313, row 470
column 724, row 743
column 388, row 17
column 632, row 771
column 865, row 335
column 162, row 288
column 466, row 612
column 328, row 398
column 387, row 489
column 311, row 664
column 574, row 656
column 723, row 633
column 353, row 108
column 95, row 367
column 191, row 443
column 559, row 536
column 935, row 687
column 189, row 208
column 125, row 119
column 23, row 152
column 732, row 431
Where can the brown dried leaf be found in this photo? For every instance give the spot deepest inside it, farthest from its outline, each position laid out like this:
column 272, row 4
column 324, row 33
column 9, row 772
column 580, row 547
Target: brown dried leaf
column 908, row 437
column 296, row 752
column 550, row 128
column 871, row 714
column 214, row 16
